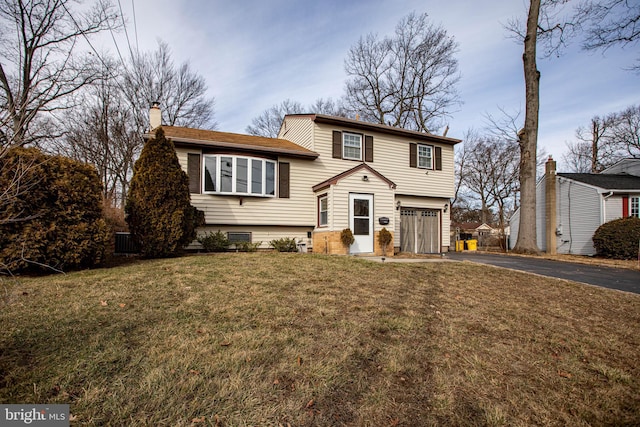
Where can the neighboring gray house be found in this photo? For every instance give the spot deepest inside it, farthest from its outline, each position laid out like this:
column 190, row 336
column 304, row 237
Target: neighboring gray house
column 583, row 202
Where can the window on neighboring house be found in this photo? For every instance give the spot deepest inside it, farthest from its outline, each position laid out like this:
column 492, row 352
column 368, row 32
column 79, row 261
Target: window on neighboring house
column 351, row 146
column 323, row 211
column 425, row 156
column 634, row 203
column 239, row 175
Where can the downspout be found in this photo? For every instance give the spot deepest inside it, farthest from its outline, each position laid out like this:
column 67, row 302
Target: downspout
column 603, row 218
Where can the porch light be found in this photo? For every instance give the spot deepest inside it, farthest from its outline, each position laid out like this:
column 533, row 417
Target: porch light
column 446, row 206
column 365, row 178
column 398, row 204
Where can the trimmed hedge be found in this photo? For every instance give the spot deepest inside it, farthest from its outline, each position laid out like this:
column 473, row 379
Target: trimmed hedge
column 58, row 222
column 618, row 239
column 159, row 212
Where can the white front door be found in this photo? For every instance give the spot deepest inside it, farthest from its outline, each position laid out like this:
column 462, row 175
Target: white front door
column 361, row 222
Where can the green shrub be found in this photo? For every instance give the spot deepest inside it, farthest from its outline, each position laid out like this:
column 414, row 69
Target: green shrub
column 346, row 237
column 247, row 246
column 618, row 238
column 214, row 242
column 286, row 244
column 58, row 221
column 384, row 238
column 159, row 212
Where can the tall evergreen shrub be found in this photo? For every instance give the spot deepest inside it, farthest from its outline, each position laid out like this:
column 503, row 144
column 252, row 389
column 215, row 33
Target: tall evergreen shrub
column 57, row 221
column 159, row 212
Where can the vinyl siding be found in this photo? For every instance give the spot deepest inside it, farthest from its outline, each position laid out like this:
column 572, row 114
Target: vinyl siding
column 298, row 130
column 579, row 215
column 613, row 208
column 391, row 159
column 264, row 234
column 298, row 209
column 383, row 200
column 541, row 226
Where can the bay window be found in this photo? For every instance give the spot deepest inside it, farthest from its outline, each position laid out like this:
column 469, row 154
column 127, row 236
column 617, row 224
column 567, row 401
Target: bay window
column 228, row 174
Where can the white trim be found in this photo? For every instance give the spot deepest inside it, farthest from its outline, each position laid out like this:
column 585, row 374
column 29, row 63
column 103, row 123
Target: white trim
column 344, row 134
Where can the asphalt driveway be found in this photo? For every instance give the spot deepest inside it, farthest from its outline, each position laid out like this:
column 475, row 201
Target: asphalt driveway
column 607, row 277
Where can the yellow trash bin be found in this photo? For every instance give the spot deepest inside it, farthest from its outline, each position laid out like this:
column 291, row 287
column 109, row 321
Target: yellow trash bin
column 472, row 245
column 459, row 245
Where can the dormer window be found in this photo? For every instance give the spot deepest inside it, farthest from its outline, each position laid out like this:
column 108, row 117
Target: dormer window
column 247, row 176
column 351, row 146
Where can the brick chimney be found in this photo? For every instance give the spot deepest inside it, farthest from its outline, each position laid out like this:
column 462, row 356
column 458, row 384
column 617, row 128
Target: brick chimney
column 550, row 205
column 155, row 116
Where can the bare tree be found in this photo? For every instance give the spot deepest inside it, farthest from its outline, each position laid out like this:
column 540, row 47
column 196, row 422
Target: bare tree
column 39, row 66
column 605, row 141
column 626, row 133
column 407, row 80
column 611, row 23
column 102, row 132
column 268, row 123
column 153, row 77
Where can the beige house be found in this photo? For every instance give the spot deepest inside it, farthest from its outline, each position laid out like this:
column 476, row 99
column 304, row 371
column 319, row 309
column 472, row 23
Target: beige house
column 321, row 175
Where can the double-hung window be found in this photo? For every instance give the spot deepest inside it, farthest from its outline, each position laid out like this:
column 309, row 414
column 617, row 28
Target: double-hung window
column 634, row 205
column 227, row 174
column 351, row 146
column 425, row 156
column 323, row 211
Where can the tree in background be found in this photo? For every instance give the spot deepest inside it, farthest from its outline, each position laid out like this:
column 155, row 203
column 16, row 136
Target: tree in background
column 159, row 212
column 107, row 128
column 268, row 123
column 607, row 140
column 407, row 80
column 153, row 77
column 611, row 23
column 39, row 65
column 58, row 223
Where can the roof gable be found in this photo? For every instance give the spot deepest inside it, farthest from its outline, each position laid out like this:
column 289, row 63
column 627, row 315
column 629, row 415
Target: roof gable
column 210, row 138
column 606, row 181
column 334, row 179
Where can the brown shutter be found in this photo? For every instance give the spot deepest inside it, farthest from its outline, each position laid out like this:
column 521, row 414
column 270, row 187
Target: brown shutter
column 413, row 155
column 625, row 206
column 283, row 180
column 193, row 170
column 368, row 148
column 337, row 144
column 438, row 158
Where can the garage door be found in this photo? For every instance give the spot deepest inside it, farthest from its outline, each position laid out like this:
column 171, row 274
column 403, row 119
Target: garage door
column 419, row 231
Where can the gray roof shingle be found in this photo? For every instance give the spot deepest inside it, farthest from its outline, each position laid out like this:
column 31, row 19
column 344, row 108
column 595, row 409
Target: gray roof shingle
column 606, row 181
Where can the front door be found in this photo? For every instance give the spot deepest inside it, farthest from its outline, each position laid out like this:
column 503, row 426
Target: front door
column 361, row 222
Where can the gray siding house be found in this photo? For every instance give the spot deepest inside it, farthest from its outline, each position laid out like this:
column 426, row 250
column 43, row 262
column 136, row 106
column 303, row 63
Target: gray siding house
column 583, row 202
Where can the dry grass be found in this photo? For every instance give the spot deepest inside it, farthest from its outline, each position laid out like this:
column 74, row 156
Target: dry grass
column 289, row 339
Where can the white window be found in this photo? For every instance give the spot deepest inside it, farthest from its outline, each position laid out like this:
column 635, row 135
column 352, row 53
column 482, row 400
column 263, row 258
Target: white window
column 323, row 209
column 634, row 203
column 425, row 157
column 351, row 146
column 239, row 175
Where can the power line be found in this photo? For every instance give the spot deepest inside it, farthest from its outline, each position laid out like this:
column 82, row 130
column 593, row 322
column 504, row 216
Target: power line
column 126, row 33
column 135, row 24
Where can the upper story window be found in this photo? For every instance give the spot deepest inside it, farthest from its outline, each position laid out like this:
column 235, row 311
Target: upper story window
column 351, row 146
column 239, row 175
column 425, row 156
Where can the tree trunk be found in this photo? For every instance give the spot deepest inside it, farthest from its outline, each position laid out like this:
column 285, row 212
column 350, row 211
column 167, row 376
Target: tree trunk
column 529, row 138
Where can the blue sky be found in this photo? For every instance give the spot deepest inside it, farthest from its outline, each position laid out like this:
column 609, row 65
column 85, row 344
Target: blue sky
column 254, row 54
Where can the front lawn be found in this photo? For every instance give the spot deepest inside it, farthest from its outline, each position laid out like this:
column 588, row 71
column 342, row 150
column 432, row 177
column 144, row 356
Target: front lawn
column 292, row 339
